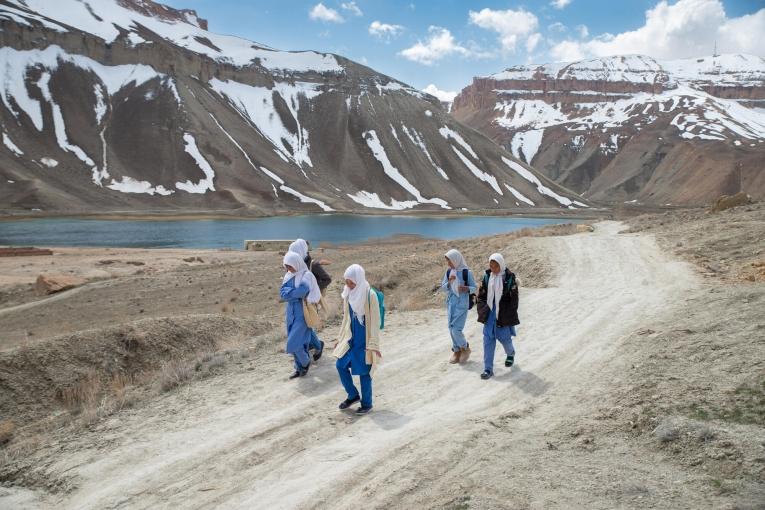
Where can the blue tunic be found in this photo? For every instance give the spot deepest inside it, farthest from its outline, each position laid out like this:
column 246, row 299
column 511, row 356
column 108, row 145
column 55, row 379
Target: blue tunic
column 298, row 334
column 356, row 356
column 457, row 304
column 457, row 307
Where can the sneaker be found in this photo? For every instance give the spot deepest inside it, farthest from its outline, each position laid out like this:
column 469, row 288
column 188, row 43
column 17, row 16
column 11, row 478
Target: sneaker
column 455, row 357
column 348, row 402
column 296, row 374
column 465, row 354
column 304, row 370
column 317, row 354
column 486, row 375
column 509, row 361
column 363, row 410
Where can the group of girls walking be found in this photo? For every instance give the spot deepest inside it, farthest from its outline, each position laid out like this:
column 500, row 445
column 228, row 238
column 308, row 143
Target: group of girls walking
column 357, row 350
column 496, row 303
column 358, row 344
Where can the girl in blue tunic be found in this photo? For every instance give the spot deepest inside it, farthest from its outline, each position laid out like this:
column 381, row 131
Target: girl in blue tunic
column 497, row 305
column 458, row 290
column 358, row 345
column 298, row 283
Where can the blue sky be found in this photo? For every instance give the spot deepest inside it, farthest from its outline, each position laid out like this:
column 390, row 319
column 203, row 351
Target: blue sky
column 447, row 42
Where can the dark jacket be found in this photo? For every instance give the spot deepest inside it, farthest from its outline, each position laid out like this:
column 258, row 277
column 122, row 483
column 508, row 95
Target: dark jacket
column 508, row 304
column 322, row 278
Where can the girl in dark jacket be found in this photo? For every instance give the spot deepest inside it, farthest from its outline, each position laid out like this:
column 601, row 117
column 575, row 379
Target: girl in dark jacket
column 497, row 306
column 300, row 246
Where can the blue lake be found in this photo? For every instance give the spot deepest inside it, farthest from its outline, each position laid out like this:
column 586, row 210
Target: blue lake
column 230, row 233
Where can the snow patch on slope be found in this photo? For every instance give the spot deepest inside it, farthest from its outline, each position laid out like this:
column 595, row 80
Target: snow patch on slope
column 478, row 172
column 256, row 106
column 526, row 143
column 186, row 34
column 190, row 146
column 543, row 190
column 130, row 185
column 391, row 171
column 11, row 146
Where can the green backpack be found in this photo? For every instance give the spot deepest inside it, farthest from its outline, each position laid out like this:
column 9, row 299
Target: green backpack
column 381, row 303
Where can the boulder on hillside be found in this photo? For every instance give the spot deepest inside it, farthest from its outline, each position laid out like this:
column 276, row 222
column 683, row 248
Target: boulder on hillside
column 50, row 284
column 728, row 202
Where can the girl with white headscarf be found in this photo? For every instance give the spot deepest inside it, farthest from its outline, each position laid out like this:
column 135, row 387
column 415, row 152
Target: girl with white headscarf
column 300, row 246
column 298, row 283
column 458, row 283
column 358, row 344
column 497, row 305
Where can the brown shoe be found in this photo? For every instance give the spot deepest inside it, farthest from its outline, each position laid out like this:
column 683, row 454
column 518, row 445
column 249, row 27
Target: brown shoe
column 465, row 354
column 455, row 357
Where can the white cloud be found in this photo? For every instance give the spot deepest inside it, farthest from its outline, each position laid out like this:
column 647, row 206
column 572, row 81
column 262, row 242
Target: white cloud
column 440, row 44
column 583, row 31
column 352, row 8
column 446, row 96
column 688, row 28
column 322, row 13
column 560, row 4
column 384, row 30
column 533, row 41
column 557, row 27
column 567, row 51
column 512, row 26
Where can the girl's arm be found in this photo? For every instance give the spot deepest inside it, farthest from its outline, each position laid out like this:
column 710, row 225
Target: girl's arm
column 288, row 293
column 471, row 282
column 445, row 283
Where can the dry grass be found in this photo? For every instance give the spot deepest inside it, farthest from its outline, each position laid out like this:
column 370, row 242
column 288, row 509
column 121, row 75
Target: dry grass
column 7, row 428
column 83, row 394
column 173, row 374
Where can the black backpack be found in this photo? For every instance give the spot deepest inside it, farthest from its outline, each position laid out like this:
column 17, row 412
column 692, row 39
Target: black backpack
column 471, row 300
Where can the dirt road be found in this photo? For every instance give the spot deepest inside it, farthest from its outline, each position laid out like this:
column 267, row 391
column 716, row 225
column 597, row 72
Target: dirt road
column 257, row 440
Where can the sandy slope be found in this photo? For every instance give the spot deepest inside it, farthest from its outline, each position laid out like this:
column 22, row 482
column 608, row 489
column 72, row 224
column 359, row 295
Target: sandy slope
column 256, row 440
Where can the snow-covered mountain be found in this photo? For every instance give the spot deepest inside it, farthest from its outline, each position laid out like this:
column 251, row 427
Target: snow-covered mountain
column 110, row 105
column 631, row 128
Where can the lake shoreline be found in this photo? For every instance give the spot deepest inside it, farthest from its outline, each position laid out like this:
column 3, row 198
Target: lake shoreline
column 579, row 214
column 231, row 233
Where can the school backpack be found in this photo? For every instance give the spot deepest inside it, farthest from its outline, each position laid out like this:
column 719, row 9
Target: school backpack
column 471, row 300
column 380, row 303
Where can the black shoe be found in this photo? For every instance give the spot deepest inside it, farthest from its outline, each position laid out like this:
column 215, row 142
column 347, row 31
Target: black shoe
column 348, row 402
column 296, row 374
column 509, row 361
column 486, row 375
column 317, row 354
column 303, row 371
column 363, row 410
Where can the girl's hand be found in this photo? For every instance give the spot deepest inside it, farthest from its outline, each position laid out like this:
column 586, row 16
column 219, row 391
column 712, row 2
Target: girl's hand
column 377, row 352
column 452, row 277
column 463, row 289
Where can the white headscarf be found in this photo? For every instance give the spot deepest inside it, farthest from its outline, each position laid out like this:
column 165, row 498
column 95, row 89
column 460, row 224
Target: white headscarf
column 301, row 273
column 459, row 264
column 357, row 297
column 496, row 283
column 300, row 247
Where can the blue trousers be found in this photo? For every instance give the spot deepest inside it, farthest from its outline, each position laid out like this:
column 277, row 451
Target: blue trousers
column 302, row 359
column 344, row 371
column 493, row 334
column 456, row 325
column 314, row 344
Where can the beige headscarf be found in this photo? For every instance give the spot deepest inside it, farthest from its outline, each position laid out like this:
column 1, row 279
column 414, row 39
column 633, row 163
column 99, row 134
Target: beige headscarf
column 496, row 283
